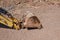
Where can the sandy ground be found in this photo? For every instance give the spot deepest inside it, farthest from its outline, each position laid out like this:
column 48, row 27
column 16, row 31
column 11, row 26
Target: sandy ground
column 50, row 19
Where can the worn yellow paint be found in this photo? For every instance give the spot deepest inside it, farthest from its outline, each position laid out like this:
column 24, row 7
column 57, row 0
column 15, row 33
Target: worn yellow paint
column 10, row 22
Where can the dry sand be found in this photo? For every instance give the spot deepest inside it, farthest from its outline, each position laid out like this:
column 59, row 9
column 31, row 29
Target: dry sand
column 50, row 19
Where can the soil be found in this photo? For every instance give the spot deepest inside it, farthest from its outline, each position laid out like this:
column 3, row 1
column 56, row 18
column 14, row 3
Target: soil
column 48, row 14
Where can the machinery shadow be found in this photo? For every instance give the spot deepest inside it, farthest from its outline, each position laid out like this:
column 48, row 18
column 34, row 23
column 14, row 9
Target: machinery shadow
column 4, row 26
column 3, row 11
